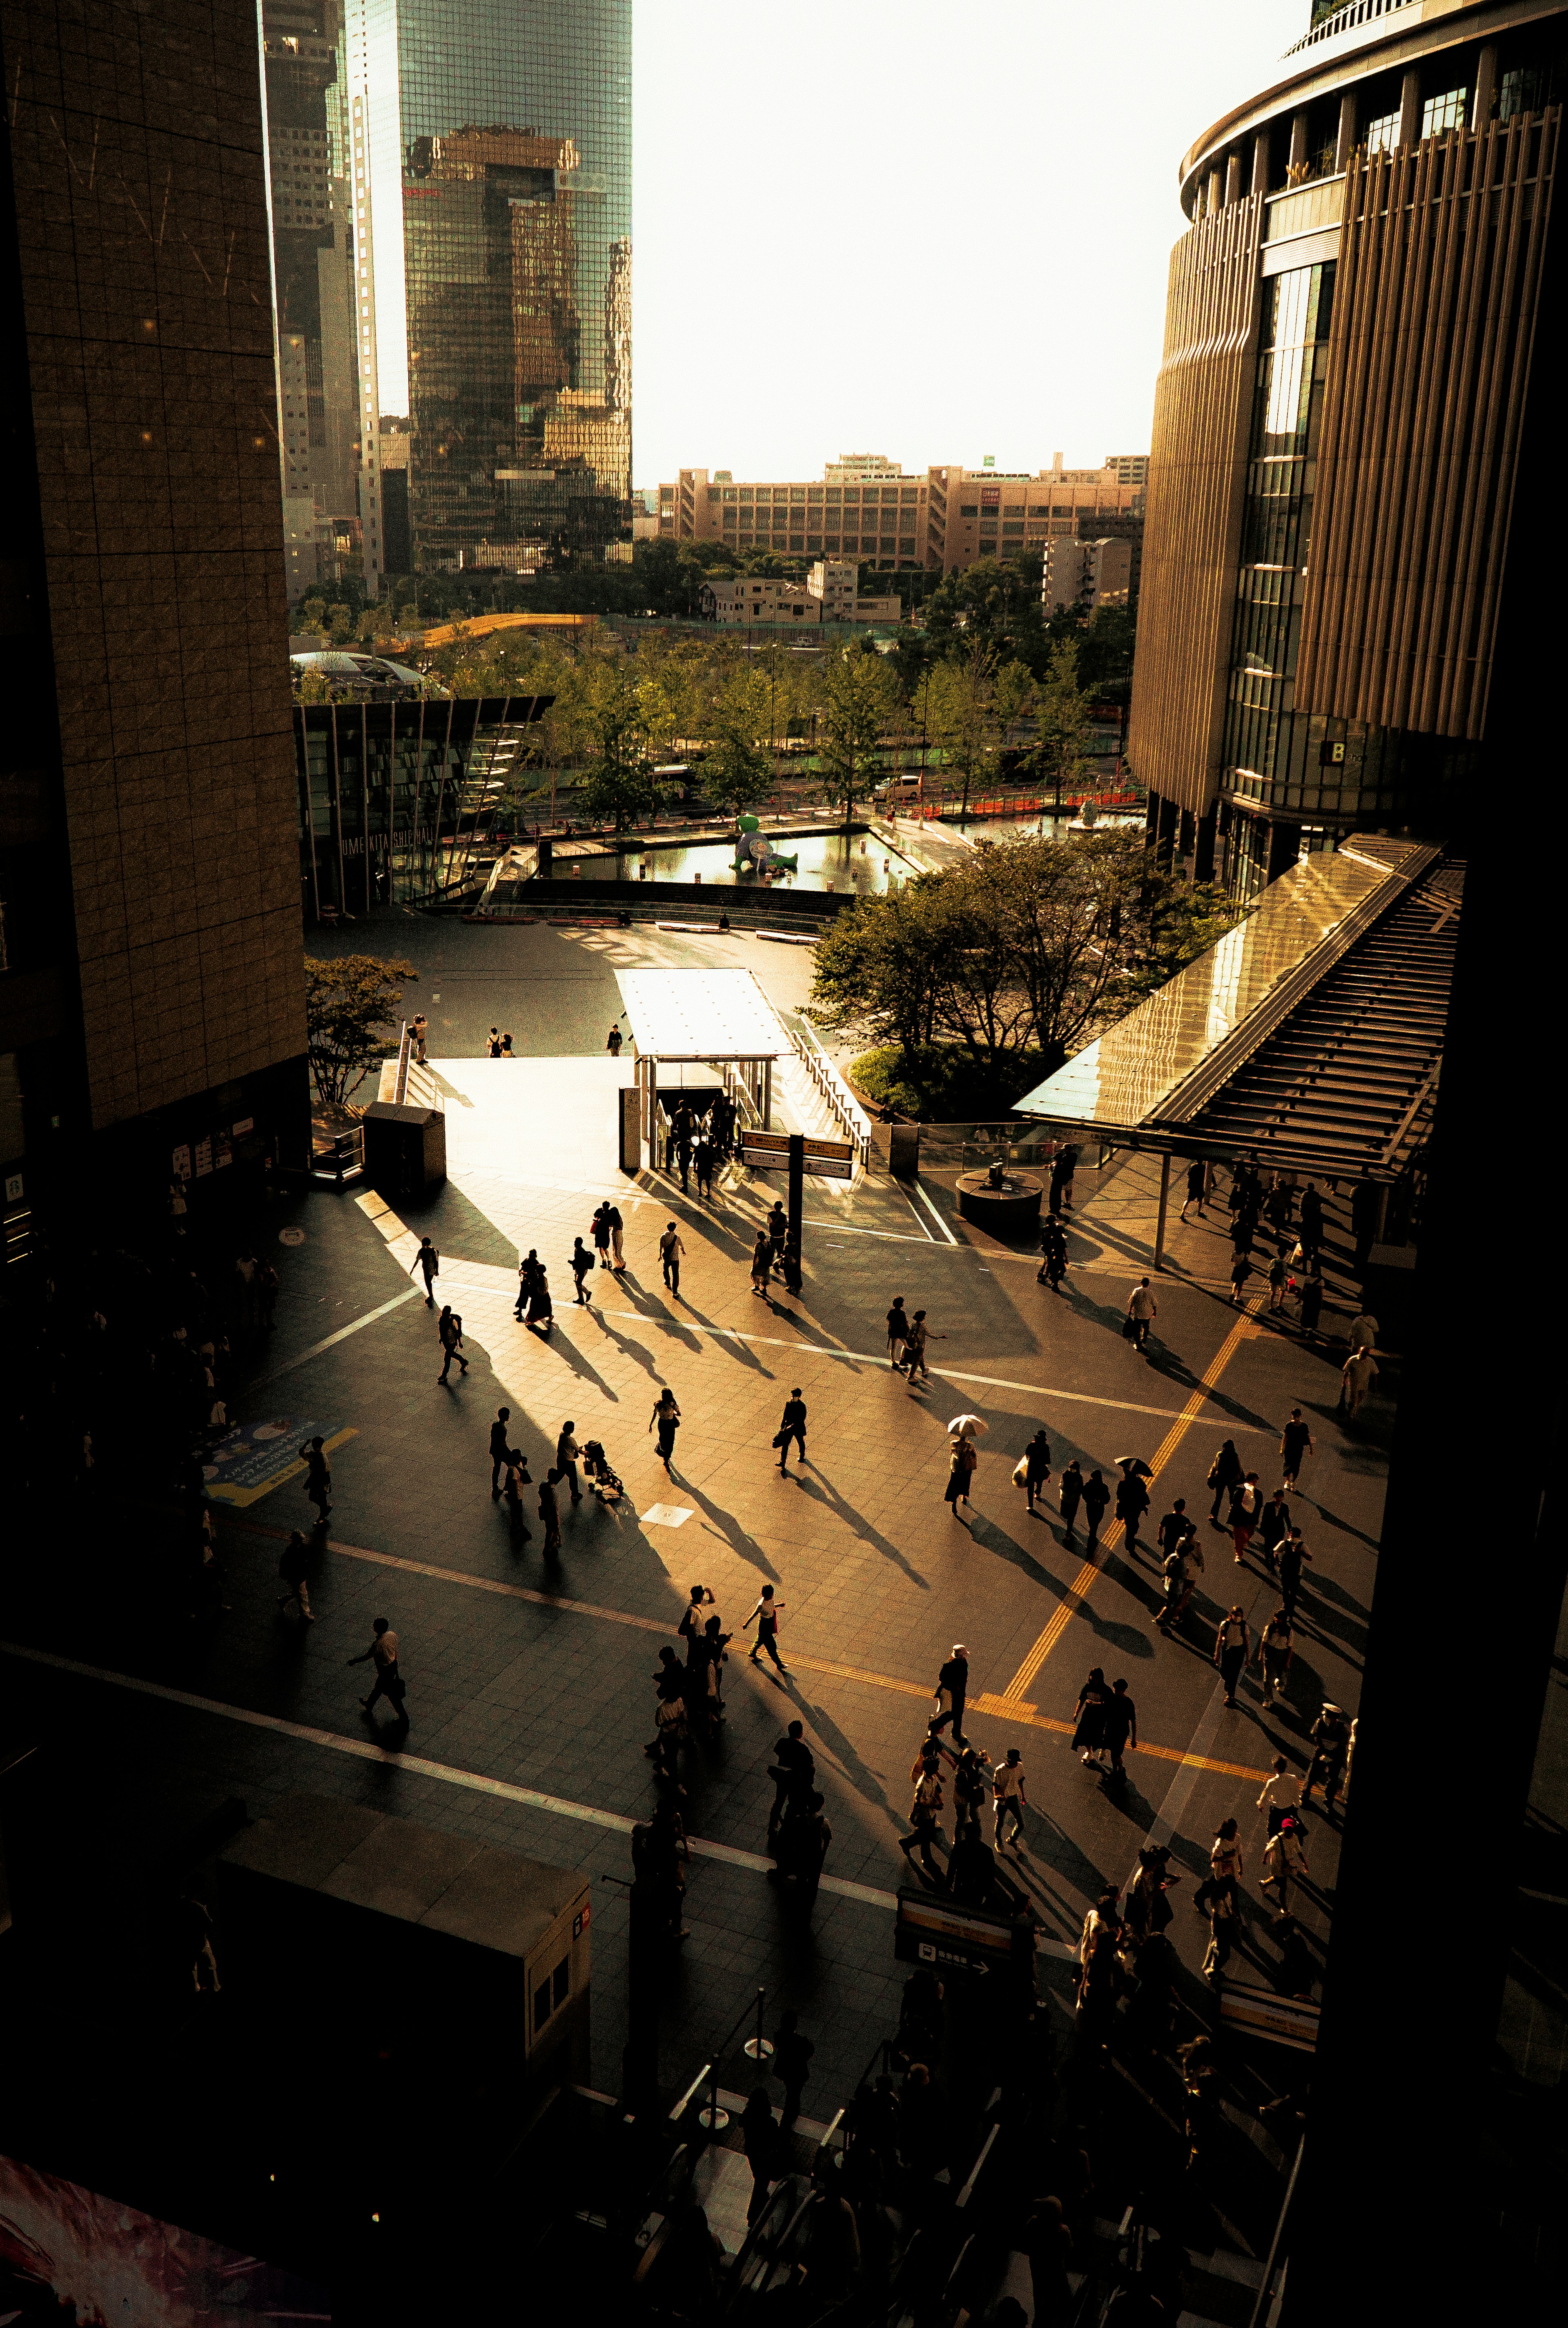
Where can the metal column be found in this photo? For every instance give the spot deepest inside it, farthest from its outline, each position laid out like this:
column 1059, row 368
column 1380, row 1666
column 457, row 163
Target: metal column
column 1164, row 1201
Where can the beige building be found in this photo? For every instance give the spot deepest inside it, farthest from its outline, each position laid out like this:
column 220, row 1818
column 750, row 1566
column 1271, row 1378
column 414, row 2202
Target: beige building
column 987, row 513
column 875, row 513
column 827, row 595
column 1099, row 572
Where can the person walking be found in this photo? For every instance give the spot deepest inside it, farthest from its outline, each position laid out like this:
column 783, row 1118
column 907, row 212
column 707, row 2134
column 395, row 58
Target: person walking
column 583, row 1265
column 897, row 1330
column 1281, row 1792
column 540, row 1307
column 1063, row 1166
column 317, row 1477
column 694, row 1616
column 951, row 1694
column 1364, row 1331
column 761, row 1264
column 1286, row 1861
column 671, row 1249
column 1036, row 1468
column 793, row 1771
column 1226, row 1864
column 294, row 1567
column 1196, row 1189
column 515, row 1480
column 1360, row 1371
column 1232, row 1646
column 1293, row 1553
column 449, row 1327
column 1274, row 1528
column 613, row 1041
column 792, row 2062
column 1009, row 1799
column 778, row 1230
column 382, row 1654
column 1072, row 1495
column 766, row 1616
column 667, row 1415
column 566, row 1452
column 924, row 1811
column 1274, row 1654
column 1174, row 1528
column 1180, row 1585
column 1132, row 1503
column 1225, row 1473
column 1330, row 1735
column 702, row 1162
column 1240, row 1268
column 1246, row 1505
column 419, row 1029
column 1142, row 1310
column 961, row 1467
column 1313, row 1291
column 759, row 2139
column 500, row 1448
column 427, row 1261
column 599, row 1229
column 617, row 1228
column 492, row 1045
column 1119, row 1727
column 549, row 1512
column 1089, row 1727
column 915, row 1343
column 793, row 1426
column 1096, row 1496
column 527, row 1279
column 1224, row 1915
column 969, row 1790
column 1053, row 1253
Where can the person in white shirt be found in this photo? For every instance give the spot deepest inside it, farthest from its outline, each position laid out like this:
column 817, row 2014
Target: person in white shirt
column 1360, row 1371
column 671, row 1249
column 1287, row 1862
column 1007, row 1789
column 1142, row 1310
column 1281, row 1792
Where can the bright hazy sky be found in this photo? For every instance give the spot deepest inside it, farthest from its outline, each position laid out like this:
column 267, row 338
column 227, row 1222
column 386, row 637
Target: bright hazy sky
column 929, row 230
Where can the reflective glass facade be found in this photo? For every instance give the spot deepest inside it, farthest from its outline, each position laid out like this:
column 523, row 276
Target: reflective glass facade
column 496, row 231
column 398, row 801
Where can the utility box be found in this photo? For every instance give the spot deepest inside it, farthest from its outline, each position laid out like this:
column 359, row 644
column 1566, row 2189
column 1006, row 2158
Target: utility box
column 903, row 1151
column 405, row 1149
column 461, row 1948
column 631, row 1128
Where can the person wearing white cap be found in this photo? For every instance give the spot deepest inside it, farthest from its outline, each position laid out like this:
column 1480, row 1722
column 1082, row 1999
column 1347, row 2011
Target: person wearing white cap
column 952, row 1690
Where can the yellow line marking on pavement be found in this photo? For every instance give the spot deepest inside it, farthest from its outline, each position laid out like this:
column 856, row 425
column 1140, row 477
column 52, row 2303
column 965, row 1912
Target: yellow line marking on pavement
column 1079, row 1590
column 1005, row 1709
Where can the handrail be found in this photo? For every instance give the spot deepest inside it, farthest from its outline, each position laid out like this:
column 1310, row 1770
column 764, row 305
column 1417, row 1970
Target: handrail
column 1259, row 2307
column 405, row 1046
column 986, row 2148
column 842, row 1102
column 689, row 2096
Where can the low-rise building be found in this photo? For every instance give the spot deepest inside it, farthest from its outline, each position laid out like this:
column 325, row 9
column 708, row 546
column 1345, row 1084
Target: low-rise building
column 881, row 523
column 972, row 514
column 827, row 595
column 1099, row 573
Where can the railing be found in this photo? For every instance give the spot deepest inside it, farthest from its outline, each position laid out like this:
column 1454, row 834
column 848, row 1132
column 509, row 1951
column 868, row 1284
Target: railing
column 1345, row 19
column 1304, row 207
column 411, row 1083
column 845, row 1108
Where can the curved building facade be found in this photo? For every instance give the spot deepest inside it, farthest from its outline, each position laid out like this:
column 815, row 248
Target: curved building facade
column 1356, row 356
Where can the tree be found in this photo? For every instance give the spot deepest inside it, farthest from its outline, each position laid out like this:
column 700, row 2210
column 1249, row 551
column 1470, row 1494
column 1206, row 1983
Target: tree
column 619, row 772
column 961, row 718
column 1063, row 720
column 350, row 1008
column 996, row 607
column 738, row 773
column 858, row 697
column 878, row 967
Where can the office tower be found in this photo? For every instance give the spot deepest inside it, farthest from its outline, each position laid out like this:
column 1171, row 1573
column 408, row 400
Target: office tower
column 152, row 1025
column 1354, row 341
column 485, row 159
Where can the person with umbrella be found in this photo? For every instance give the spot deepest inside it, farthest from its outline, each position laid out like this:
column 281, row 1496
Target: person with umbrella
column 964, row 1430
column 1132, row 1495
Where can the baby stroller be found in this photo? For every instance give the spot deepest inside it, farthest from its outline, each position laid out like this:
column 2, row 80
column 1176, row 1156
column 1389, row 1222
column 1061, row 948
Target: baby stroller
column 600, row 1477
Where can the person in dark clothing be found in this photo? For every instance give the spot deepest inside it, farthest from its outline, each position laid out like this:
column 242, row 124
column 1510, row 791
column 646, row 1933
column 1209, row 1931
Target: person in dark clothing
column 1096, row 1496
column 1293, row 1553
column 778, row 1229
column 528, row 1271
column 1071, row 1496
column 317, row 1477
column 897, row 1330
column 1197, row 1189
column 1311, row 1221
column 1175, row 1527
column 583, row 1266
column 703, row 1159
column 1296, row 1443
column 449, row 1329
column 1225, row 1473
column 1053, row 1253
column 793, row 1426
column 1312, row 1297
column 972, row 1869
column 925, row 1810
column 500, row 1448
column 1036, row 1468
column 759, row 2139
column 294, row 1567
column 427, row 1261
column 952, row 1693
column 1089, row 1736
column 1132, row 1503
column 792, row 1771
column 1119, row 1727
column 1063, row 1164
column 1330, row 1735
column 792, row 2062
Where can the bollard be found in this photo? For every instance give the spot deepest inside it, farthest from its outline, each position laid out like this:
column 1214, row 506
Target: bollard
column 758, row 2047
column 713, row 2120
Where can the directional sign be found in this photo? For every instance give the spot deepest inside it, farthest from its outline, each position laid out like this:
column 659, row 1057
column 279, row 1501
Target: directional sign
column 769, row 1151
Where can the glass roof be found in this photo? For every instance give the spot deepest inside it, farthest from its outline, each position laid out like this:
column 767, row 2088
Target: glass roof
column 701, row 1014
column 1119, row 1080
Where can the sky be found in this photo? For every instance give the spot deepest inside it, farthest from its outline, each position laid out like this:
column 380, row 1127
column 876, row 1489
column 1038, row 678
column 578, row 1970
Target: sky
column 930, row 231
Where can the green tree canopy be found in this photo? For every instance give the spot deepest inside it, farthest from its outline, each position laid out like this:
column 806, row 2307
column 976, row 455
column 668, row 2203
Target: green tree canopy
column 858, row 697
column 351, row 1015
column 737, row 772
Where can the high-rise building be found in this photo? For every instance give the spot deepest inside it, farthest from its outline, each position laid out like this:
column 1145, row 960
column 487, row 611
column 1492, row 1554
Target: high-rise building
column 1355, row 338
column 484, row 150
column 152, row 1015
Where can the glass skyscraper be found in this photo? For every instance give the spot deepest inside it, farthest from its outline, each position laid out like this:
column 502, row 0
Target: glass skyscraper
column 481, row 171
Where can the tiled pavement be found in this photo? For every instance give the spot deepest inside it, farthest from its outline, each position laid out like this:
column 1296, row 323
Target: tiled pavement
column 877, row 1576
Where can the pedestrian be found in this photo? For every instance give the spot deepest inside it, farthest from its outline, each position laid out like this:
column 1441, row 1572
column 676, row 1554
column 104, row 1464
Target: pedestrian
column 778, row 1229
column 792, row 1771
column 1096, row 1496
column 897, row 1330
column 515, row 1479
column 1364, row 1330
column 427, row 1261
column 583, row 1265
column 703, row 1160
column 1274, row 1654
column 600, row 1228
column 449, row 1327
column 1036, row 1468
column 1148, row 1909
column 528, row 1273
column 1132, row 1503
column 1279, row 1278
column 566, row 1452
column 617, row 1235
column 1089, row 1730
column 1360, row 1371
column 1006, row 1787
column 792, row 2062
column 682, row 1132
column 793, row 1426
column 294, row 1567
column 613, row 1041
column 694, row 1616
column 1274, row 1528
column 492, row 1045
column 1071, row 1496
column 419, row 1029
column 1174, row 1528
column 1246, row 1505
column 1047, row 2243
column 1176, row 1570
column 540, row 1307
column 670, row 1725
column 317, row 1477
column 506, row 1049
column 1330, row 1735
column 1232, row 1646
column 807, row 1838
column 671, row 1249
column 1197, row 1189
column 382, row 1654
column 1281, row 1792
column 766, row 1616
column 1293, row 1553
column 500, row 1448
column 667, row 1415
column 961, row 1462
column 761, row 1264
column 1312, row 1297
column 1225, row 1473
column 1311, row 1220
column 951, row 1694
column 1240, row 1268
column 915, row 1343
column 549, row 1512
column 1142, row 1309
column 267, row 1286
column 1226, row 1864
column 1053, row 1253
column 969, row 1779
column 1119, row 1727
column 1063, row 1166
column 759, row 2139
column 1224, row 1915
column 1286, row 1861
column 924, row 1811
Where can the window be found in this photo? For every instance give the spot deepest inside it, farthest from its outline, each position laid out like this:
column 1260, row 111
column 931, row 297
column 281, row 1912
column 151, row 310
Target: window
column 969, row 509
column 746, row 493
column 797, row 493
column 1441, row 114
column 906, row 493
column 815, row 494
column 729, row 493
column 1382, row 134
column 561, row 1981
column 851, row 493
column 835, row 493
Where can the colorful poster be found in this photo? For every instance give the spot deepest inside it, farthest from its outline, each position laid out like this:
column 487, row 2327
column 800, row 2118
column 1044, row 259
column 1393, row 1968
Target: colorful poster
column 257, row 1457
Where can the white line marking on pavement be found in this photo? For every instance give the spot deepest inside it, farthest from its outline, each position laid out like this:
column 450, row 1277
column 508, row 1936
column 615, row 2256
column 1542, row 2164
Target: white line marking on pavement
column 411, row 1293
column 936, row 1217
column 367, row 1750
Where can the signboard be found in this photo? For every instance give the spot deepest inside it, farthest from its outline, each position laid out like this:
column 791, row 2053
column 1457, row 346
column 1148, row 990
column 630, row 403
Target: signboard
column 259, row 1456
column 931, row 1929
column 769, row 1151
column 1259, row 2013
column 203, row 1155
column 182, row 1163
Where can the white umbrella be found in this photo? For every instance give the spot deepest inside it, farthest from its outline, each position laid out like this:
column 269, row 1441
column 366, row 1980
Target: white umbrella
column 968, row 1426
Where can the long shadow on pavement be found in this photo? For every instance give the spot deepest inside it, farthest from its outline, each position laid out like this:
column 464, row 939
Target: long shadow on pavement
column 819, row 1492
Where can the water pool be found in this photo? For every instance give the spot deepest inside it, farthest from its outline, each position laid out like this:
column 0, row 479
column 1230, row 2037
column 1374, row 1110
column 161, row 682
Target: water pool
column 862, row 863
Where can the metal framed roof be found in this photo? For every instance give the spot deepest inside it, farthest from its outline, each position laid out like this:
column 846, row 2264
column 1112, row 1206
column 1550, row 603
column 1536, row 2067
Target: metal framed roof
column 1320, row 1054
column 701, row 1014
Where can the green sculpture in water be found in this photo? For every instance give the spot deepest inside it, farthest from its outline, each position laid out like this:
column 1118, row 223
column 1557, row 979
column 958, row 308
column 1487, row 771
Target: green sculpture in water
column 755, row 852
